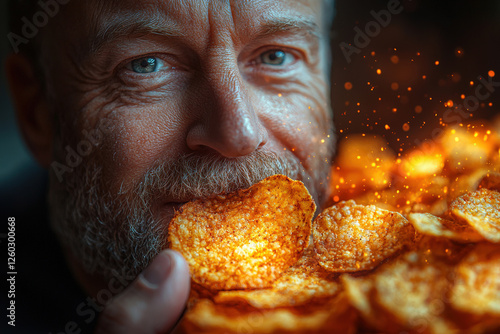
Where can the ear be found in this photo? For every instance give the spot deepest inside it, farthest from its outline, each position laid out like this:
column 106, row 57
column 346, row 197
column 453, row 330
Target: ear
column 31, row 107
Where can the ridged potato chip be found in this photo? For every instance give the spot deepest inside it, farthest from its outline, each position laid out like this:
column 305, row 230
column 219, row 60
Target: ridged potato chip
column 245, row 239
column 301, row 283
column 481, row 210
column 350, row 237
column 429, row 224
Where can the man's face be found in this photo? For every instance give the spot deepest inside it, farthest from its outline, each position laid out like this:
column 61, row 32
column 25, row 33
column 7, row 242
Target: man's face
column 197, row 98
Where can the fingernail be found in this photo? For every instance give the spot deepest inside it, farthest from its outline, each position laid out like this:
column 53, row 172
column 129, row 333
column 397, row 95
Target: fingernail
column 158, row 270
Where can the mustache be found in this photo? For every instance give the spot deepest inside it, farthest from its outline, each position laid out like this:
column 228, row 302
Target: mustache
column 200, row 176
column 109, row 231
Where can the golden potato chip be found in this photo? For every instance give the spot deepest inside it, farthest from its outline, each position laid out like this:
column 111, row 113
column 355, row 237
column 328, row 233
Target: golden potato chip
column 245, row 239
column 413, row 292
column 477, row 284
column 332, row 316
column 301, row 283
column 407, row 294
column 481, row 210
column 350, row 237
column 429, row 224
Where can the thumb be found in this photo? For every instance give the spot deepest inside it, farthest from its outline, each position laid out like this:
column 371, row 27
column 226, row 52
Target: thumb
column 153, row 302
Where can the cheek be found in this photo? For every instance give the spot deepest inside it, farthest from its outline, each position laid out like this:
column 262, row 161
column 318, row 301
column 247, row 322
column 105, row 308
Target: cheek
column 140, row 138
column 303, row 124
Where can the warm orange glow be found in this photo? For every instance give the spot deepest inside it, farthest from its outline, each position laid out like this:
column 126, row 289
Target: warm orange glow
column 449, row 104
column 419, row 164
column 379, row 71
column 406, row 127
column 348, row 85
column 491, row 73
column 436, row 62
column 395, row 59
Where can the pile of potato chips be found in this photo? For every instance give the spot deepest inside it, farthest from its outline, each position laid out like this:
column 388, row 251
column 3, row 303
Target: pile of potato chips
column 410, row 244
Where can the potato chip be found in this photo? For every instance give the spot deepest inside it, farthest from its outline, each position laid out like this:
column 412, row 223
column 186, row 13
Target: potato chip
column 303, row 282
column 407, row 294
column 331, row 316
column 481, row 210
column 350, row 237
column 413, row 291
column 429, row 224
column 477, row 285
column 245, row 239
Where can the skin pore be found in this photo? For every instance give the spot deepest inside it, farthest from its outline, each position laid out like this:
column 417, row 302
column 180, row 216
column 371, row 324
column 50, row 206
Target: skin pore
column 199, row 98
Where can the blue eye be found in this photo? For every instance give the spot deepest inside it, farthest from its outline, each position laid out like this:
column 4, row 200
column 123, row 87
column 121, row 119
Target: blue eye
column 145, row 65
column 273, row 57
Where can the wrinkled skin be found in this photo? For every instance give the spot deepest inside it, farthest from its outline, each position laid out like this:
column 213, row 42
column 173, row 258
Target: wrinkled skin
column 220, row 79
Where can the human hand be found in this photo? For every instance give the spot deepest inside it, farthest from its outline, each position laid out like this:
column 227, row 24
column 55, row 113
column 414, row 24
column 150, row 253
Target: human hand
column 153, row 303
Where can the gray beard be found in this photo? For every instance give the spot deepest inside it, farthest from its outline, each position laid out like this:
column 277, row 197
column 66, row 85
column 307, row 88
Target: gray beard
column 118, row 234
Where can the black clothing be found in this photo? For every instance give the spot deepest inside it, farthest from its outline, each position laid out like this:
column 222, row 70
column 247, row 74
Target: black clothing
column 46, row 294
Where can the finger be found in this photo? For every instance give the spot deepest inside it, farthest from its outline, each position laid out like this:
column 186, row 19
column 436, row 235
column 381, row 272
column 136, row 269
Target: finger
column 153, row 302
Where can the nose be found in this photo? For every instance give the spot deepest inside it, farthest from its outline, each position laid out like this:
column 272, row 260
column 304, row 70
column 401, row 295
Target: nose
column 229, row 122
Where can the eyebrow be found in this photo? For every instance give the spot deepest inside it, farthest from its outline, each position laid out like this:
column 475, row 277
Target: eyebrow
column 137, row 24
column 286, row 24
column 129, row 25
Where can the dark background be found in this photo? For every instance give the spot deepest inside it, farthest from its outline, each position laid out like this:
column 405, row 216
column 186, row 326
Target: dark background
column 463, row 36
